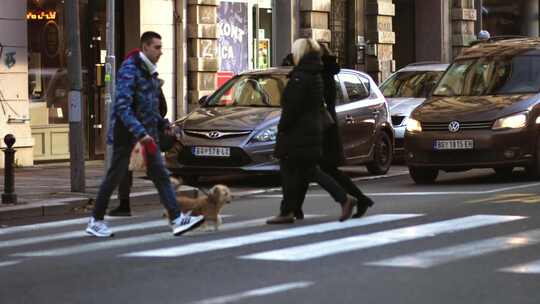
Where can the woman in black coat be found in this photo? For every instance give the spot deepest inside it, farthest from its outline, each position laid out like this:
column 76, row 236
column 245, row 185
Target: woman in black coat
column 333, row 155
column 300, row 135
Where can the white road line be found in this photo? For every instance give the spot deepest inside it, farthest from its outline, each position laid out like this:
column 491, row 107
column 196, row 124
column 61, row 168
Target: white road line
column 78, row 234
column 430, row 258
column 321, row 249
column 421, row 192
column 531, row 267
column 9, row 263
column 116, row 243
column 379, row 176
column 232, row 242
column 34, row 227
column 255, row 293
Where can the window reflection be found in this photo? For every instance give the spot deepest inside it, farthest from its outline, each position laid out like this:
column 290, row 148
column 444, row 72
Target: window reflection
column 47, row 74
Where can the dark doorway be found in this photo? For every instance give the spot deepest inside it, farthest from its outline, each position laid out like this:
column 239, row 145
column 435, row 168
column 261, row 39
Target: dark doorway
column 404, row 27
column 94, row 52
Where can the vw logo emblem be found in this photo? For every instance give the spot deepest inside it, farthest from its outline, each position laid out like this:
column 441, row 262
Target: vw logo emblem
column 214, row 134
column 453, row 126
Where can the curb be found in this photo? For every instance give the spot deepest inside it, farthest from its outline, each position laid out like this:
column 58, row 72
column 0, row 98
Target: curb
column 66, row 206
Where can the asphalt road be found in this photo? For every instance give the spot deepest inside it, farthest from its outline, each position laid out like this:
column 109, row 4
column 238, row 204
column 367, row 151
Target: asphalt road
column 470, row 238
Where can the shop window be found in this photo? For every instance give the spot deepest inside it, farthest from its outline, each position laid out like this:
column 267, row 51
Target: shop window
column 47, row 72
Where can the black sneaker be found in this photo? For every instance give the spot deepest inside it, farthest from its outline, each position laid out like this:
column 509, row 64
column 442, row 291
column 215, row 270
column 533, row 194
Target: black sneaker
column 118, row 211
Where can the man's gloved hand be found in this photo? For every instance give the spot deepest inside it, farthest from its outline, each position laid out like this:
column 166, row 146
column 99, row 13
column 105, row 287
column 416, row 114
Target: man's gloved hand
column 149, row 144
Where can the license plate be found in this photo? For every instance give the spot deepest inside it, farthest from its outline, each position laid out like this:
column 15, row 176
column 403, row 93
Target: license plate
column 212, row 151
column 461, row 144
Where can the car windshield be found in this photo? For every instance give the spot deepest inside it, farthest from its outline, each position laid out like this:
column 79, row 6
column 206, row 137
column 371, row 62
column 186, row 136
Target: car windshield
column 414, row 84
column 250, row 91
column 492, row 76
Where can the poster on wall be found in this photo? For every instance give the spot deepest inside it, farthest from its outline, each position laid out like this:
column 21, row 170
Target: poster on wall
column 233, row 37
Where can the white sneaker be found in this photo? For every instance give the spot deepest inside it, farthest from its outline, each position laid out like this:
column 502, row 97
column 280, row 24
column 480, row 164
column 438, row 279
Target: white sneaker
column 185, row 223
column 98, row 228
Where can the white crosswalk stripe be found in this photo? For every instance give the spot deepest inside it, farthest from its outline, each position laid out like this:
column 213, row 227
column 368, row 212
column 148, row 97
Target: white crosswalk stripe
column 430, row 258
column 9, row 263
column 77, row 234
column 267, row 236
column 530, row 267
column 43, row 226
column 156, row 237
column 161, row 243
column 322, row 249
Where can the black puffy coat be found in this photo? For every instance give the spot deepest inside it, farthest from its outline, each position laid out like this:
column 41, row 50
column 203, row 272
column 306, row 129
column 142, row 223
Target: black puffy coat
column 333, row 154
column 299, row 129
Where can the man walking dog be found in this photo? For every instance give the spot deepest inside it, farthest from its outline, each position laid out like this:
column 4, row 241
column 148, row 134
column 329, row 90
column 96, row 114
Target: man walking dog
column 135, row 118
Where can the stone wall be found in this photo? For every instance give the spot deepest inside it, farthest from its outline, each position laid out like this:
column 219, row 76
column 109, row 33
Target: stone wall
column 463, row 24
column 203, row 61
column 314, row 19
column 14, row 106
column 380, row 39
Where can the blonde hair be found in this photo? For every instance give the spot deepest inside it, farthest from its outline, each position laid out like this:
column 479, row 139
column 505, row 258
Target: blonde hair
column 303, row 46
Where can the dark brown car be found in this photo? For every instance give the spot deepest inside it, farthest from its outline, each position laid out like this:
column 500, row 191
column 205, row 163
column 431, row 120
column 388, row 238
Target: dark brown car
column 484, row 113
column 235, row 128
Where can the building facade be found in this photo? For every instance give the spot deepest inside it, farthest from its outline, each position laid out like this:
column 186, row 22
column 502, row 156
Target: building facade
column 208, row 41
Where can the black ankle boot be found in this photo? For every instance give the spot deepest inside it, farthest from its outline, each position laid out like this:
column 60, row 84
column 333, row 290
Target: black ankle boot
column 122, row 210
column 299, row 214
column 362, row 205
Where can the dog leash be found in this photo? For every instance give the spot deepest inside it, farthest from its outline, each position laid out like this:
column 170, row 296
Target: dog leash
column 205, row 192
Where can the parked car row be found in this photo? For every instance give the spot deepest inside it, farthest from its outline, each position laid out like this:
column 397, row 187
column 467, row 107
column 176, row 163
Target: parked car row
column 482, row 111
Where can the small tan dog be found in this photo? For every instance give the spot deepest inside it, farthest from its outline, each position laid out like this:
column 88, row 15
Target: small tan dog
column 208, row 205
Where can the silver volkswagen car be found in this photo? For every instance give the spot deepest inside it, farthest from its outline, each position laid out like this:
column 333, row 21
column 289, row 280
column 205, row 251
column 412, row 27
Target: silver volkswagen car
column 406, row 89
column 235, row 128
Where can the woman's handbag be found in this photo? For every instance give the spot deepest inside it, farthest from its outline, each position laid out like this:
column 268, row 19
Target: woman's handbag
column 326, row 119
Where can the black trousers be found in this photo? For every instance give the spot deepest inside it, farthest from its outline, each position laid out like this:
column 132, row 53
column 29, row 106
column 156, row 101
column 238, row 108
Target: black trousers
column 295, row 178
column 124, row 189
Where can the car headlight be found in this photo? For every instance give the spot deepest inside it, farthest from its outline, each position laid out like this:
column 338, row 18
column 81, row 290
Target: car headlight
column 413, row 125
column 266, row 135
column 515, row 121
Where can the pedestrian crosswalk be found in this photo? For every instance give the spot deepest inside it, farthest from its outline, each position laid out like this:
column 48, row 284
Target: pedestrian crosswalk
column 314, row 238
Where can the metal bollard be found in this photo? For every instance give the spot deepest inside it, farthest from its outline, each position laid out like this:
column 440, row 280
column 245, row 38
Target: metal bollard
column 9, row 197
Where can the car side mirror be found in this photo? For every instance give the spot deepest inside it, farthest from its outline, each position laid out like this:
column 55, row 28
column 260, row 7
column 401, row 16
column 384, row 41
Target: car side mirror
column 203, row 99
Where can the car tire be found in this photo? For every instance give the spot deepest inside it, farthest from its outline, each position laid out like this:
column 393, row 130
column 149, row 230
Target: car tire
column 382, row 155
column 190, row 180
column 423, row 176
column 504, row 172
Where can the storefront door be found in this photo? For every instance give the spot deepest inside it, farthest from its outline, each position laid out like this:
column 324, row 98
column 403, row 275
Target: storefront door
column 95, row 114
column 94, row 62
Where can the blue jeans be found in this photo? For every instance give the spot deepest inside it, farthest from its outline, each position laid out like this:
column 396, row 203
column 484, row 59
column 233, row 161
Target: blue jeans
column 119, row 168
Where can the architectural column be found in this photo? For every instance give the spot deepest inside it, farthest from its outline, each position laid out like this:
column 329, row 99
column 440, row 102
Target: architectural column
column 380, row 39
column 202, row 49
column 314, row 20
column 14, row 106
column 463, row 24
column 530, row 16
column 284, row 28
column 157, row 16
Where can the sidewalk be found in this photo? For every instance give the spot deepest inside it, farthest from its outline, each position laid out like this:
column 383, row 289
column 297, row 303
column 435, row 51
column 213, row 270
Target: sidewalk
column 45, row 190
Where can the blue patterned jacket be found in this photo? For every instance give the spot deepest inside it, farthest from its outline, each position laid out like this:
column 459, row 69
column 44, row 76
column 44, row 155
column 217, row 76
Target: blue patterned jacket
column 137, row 101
